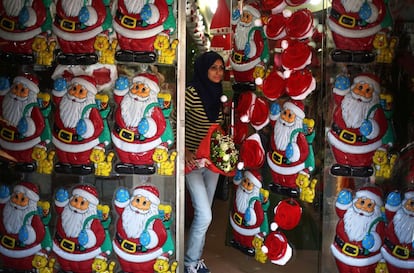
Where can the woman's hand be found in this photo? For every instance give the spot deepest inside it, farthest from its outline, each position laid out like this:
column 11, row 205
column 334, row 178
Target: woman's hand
column 190, row 158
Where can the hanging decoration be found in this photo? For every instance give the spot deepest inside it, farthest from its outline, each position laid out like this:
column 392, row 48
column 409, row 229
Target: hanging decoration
column 196, row 27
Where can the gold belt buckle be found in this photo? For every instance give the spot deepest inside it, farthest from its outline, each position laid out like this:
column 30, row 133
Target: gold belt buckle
column 126, row 135
column 8, row 241
column 401, row 252
column 347, row 21
column 65, row 136
column 345, row 133
column 237, row 218
column 7, row 24
column 7, row 134
column 128, row 21
column 67, row 245
column 129, row 246
column 350, row 246
column 277, row 158
column 67, row 25
column 238, row 58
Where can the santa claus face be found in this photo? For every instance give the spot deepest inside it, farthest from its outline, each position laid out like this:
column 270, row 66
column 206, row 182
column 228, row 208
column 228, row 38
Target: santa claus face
column 247, row 17
column 15, row 211
column 136, row 215
column 365, row 205
column 141, row 204
column 409, row 206
column 140, row 91
column 20, row 91
column 79, row 204
column 78, row 92
column 362, row 91
column 288, row 117
column 404, row 222
column 75, row 214
column 242, row 30
column 247, row 185
column 13, row 7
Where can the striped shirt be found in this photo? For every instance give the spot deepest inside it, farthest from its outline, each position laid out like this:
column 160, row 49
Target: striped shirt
column 196, row 121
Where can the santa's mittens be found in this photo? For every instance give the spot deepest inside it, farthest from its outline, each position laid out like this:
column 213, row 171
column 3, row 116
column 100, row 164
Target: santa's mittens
column 300, row 84
column 145, row 238
column 296, row 55
column 277, row 248
column 300, row 24
column 344, row 197
column 368, row 241
column 83, row 238
column 122, row 195
column 274, row 85
column 393, row 199
column 287, row 214
column 62, row 195
column 4, row 191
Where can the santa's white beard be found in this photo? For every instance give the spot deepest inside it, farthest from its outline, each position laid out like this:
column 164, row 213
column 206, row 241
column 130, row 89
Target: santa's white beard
column 134, row 222
column 72, row 7
column 13, row 217
column 243, row 198
column 354, row 111
column 132, row 110
column 71, row 111
column 282, row 133
column 134, row 6
column 357, row 225
column 13, row 7
column 72, row 222
column 352, row 5
column 242, row 30
column 404, row 226
column 13, row 108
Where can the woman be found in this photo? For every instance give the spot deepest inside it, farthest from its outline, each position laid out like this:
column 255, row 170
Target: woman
column 202, row 109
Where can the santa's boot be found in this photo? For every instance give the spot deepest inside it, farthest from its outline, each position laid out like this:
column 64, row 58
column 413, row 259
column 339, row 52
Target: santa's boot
column 243, row 86
column 25, row 167
column 340, row 170
column 83, row 169
column 282, row 190
column 13, row 58
column 135, row 56
column 144, row 169
column 362, row 171
column 76, row 59
column 348, row 56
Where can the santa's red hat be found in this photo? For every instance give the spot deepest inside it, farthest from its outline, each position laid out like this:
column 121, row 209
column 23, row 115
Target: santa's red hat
column 296, row 55
column 300, row 83
column 241, row 130
column 274, row 85
column 220, row 22
column 88, row 192
column 373, row 193
column 29, row 80
column 277, row 248
column 296, row 106
column 287, row 215
column 295, row 3
column 30, row 190
column 245, row 106
column 148, row 79
column 254, row 176
column 86, row 81
column 252, row 153
column 299, row 25
column 370, row 79
column 274, row 6
column 253, row 8
column 103, row 256
column 149, row 191
column 260, row 115
column 275, row 27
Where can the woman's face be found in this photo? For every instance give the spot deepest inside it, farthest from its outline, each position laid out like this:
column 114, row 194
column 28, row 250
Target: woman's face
column 216, row 71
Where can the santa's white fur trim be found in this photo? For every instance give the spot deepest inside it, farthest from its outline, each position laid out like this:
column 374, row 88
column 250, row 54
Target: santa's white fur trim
column 85, row 83
column 155, row 14
column 375, row 130
column 284, row 170
column 298, row 111
column 75, row 148
column 353, row 33
column 296, row 152
column 370, row 195
column 90, row 128
column 261, row 125
column 76, row 36
column 93, row 16
column 137, row 34
column 253, row 217
column 32, row 17
column 134, row 147
column 244, row 231
column 249, row 8
column 374, row 13
column 273, row 226
column 303, row 96
column 253, row 179
column 75, row 257
column 366, row 79
column 20, row 36
column 19, row 254
column 88, row 196
column 137, row 258
column 28, row 83
column 149, row 195
column 343, row 206
column 245, row 66
column 152, row 128
column 395, row 261
column 31, row 127
column 31, row 235
column 27, row 192
column 354, row 149
column 154, row 239
column 341, row 92
column 286, row 257
column 150, row 83
column 20, row 146
column 360, row 262
column 91, row 239
column 60, row 204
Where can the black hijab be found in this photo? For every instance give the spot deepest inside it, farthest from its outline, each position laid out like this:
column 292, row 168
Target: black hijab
column 209, row 92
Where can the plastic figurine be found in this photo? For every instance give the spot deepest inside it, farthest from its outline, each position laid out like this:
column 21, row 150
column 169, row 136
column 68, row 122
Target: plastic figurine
column 162, row 265
column 359, row 231
column 102, row 162
column 248, row 213
column 139, row 123
column 21, row 22
column 383, row 163
column 78, row 124
column 44, row 50
column 106, row 49
column 101, row 265
column 80, row 235
column 398, row 242
column 42, row 263
column 385, row 47
column 306, row 186
column 166, row 50
column 165, row 161
column 310, row 133
column 353, row 25
column 258, row 242
column 250, row 49
column 289, row 147
column 21, row 121
column 140, row 232
column 381, row 267
column 386, row 102
column 76, row 25
column 21, row 226
column 358, row 125
column 165, row 102
column 44, row 160
column 102, row 102
column 137, row 25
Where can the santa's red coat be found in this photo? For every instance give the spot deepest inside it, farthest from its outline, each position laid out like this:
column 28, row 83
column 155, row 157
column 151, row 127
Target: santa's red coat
column 141, row 261
column 21, row 147
column 140, row 36
column 80, row 260
column 20, row 257
column 137, row 151
column 242, row 233
column 16, row 38
column 73, row 36
column 358, row 154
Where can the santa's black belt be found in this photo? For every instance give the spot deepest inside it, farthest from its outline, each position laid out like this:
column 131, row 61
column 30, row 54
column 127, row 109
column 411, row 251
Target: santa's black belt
column 10, row 242
column 349, row 249
column 66, row 136
column 279, row 158
column 347, row 136
column 128, row 21
column 9, row 134
column 68, row 245
column 238, row 57
column 129, row 246
column 126, row 134
column 346, row 20
column 68, row 25
column 10, row 25
column 399, row 251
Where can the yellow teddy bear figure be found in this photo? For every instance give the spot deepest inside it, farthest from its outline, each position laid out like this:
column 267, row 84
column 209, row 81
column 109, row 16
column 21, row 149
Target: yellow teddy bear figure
column 381, row 267
column 102, row 162
column 257, row 243
column 166, row 50
column 165, row 161
column 162, row 265
column 385, row 47
column 43, row 50
column 44, row 160
column 381, row 163
column 306, row 186
column 42, row 264
column 105, row 49
column 100, row 265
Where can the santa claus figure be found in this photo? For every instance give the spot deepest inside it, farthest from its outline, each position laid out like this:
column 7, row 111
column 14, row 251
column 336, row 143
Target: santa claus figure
column 76, row 25
column 398, row 243
column 139, row 123
column 140, row 233
column 358, row 125
column 22, row 122
column 289, row 147
column 247, row 214
column 77, row 124
column 353, row 24
column 21, row 22
column 21, row 227
column 249, row 46
column 137, row 23
column 79, row 233
column 359, row 231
